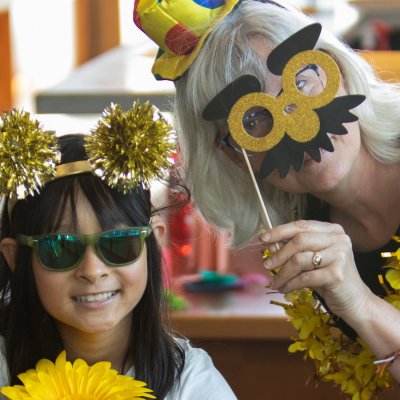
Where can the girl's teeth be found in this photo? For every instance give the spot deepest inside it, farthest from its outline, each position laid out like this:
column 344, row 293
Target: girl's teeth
column 94, row 297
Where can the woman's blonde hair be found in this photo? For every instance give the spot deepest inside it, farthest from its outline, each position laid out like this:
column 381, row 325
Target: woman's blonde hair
column 223, row 191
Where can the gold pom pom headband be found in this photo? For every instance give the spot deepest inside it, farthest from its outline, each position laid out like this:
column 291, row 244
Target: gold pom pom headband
column 133, row 147
column 126, row 149
column 28, row 154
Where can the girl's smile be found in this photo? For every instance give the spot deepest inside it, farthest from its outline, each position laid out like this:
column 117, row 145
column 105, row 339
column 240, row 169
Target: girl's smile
column 96, row 299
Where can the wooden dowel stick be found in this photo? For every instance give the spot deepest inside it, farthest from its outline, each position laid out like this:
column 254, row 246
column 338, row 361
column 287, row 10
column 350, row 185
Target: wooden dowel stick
column 260, row 199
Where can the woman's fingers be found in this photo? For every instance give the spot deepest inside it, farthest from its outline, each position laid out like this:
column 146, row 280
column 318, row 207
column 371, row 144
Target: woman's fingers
column 300, row 281
column 303, row 264
column 306, row 242
column 316, row 255
column 297, row 237
column 287, row 231
column 301, row 272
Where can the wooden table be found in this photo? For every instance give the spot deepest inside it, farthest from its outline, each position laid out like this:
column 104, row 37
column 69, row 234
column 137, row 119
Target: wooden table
column 235, row 314
column 385, row 63
column 248, row 340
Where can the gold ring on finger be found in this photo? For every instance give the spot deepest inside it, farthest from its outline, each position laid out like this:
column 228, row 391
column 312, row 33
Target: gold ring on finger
column 317, row 259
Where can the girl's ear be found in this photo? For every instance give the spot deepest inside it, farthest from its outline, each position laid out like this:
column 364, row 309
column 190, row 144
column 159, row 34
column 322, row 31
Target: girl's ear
column 8, row 247
column 159, row 228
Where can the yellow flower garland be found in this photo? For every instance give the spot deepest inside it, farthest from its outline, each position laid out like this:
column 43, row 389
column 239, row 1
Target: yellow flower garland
column 78, row 381
column 337, row 359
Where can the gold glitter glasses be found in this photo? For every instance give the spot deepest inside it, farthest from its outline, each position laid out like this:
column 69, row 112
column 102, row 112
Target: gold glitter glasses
column 258, row 121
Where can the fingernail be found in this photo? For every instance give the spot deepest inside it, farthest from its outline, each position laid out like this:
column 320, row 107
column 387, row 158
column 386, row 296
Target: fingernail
column 272, row 283
column 272, row 248
column 265, row 236
column 267, row 263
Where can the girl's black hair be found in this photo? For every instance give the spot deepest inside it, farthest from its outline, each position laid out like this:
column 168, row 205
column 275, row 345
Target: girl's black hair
column 29, row 331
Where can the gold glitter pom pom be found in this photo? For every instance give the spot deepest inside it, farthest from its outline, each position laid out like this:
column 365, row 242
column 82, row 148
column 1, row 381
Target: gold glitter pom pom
column 28, row 154
column 130, row 148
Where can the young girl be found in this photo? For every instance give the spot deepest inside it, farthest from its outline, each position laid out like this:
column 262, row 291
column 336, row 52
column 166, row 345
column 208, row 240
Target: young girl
column 81, row 271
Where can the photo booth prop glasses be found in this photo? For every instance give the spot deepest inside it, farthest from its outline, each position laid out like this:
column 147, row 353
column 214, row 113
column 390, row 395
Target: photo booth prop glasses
column 299, row 119
column 258, row 121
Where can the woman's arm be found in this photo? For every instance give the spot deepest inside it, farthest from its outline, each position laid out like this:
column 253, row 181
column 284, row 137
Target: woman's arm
column 378, row 324
column 336, row 279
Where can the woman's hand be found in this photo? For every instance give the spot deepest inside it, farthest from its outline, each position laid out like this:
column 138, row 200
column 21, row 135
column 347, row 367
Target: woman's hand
column 336, row 277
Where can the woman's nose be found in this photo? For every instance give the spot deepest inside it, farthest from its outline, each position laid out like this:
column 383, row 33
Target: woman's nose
column 91, row 268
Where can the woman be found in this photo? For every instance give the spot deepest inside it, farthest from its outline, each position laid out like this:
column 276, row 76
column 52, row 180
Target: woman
column 344, row 208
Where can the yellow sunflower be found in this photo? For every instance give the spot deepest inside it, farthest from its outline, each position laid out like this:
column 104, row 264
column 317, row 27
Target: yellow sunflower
column 63, row 380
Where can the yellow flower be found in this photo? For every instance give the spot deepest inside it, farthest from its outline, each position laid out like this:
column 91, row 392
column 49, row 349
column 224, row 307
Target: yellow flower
column 78, row 381
column 393, row 277
column 346, row 363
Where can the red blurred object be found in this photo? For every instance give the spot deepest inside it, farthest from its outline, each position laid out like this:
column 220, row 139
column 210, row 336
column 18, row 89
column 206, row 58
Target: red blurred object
column 180, row 246
column 194, row 245
column 382, row 33
column 186, row 249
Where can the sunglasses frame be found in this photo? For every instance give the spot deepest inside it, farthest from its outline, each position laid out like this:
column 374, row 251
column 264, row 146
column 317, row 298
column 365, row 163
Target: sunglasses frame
column 87, row 240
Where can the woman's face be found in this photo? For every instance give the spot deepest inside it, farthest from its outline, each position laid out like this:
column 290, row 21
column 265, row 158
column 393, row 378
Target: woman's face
column 94, row 297
column 314, row 177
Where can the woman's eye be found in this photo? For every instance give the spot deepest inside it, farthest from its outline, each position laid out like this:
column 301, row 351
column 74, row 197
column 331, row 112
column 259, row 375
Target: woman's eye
column 250, row 123
column 254, row 119
column 258, row 123
column 300, row 84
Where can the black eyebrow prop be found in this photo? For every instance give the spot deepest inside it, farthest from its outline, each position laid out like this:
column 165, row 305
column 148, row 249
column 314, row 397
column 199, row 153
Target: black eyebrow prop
column 302, row 40
column 220, row 106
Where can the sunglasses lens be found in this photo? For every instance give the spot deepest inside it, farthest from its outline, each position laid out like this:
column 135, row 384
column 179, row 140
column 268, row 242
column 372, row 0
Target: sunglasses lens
column 121, row 246
column 59, row 251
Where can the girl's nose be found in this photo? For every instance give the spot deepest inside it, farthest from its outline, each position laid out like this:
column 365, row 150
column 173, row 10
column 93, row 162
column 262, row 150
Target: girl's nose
column 91, row 268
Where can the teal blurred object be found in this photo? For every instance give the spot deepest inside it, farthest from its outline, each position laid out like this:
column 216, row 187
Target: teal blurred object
column 212, row 281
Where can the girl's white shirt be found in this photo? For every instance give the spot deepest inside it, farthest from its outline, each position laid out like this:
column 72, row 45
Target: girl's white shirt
column 200, row 380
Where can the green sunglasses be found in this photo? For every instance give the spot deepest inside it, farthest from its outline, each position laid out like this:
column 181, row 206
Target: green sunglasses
column 64, row 251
